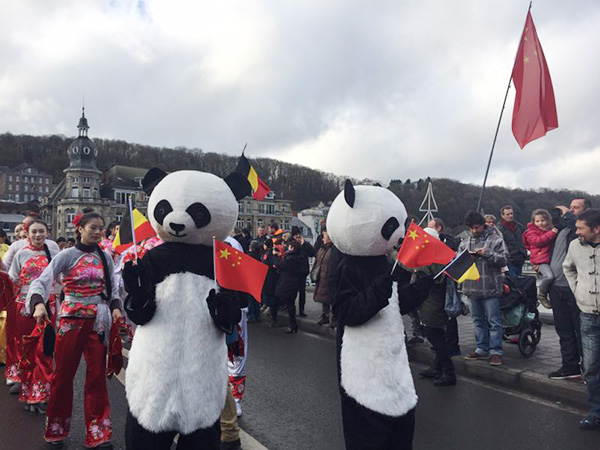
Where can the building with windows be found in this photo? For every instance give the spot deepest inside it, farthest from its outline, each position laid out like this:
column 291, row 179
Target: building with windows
column 84, row 185
column 254, row 213
column 24, row 183
column 312, row 217
column 8, row 222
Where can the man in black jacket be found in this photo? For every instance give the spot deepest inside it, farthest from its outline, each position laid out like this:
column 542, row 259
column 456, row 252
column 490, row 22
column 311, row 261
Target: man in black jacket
column 512, row 232
column 306, row 251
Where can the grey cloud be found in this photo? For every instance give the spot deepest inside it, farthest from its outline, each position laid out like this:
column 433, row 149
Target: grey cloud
column 381, row 89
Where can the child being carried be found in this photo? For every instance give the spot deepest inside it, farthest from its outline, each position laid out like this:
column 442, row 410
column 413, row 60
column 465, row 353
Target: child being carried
column 538, row 239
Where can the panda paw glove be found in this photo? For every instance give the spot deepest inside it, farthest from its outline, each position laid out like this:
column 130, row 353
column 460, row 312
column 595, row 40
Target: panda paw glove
column 383, row 286
column 424, row 283
column 135, row 278
column 225, row 309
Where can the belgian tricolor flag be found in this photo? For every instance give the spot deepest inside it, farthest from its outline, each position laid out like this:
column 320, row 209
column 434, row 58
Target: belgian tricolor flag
column 462, row 268
column 259, row 187
column 143, row 230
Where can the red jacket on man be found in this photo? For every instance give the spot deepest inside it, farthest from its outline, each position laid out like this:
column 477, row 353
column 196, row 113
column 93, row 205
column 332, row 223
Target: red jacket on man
column 539, row 243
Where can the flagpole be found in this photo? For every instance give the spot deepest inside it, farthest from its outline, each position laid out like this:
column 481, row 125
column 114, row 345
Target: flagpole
column 133, row 229
column 394, row 268
column 487, row 170
column 215, row 265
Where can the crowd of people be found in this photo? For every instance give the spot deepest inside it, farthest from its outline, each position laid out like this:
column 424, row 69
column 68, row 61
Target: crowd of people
column 561, row 246
column 75, row 285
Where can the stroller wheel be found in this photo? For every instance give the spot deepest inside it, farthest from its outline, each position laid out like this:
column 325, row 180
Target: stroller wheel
column 527, row 343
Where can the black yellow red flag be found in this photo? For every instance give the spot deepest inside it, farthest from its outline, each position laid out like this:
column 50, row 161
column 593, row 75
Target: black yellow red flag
column 143, row 230
column 259, row 187
column 462, row 268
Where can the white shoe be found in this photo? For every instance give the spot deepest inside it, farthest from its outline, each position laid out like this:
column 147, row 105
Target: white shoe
column 238, row 409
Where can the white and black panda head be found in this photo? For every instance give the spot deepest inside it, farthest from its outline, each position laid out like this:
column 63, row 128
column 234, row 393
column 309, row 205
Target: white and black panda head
column 191, row 207
column 366, row 220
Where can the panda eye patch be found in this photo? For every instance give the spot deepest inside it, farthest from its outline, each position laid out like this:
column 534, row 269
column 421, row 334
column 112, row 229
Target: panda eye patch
column 389, row 227
column 162, row 210
column 199, row 214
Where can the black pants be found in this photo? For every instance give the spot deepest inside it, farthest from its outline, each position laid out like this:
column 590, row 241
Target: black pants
column 291, row 309
column 138, row 438
column 368, row 430
column 290, row 302
column 442, row 361
column 452, row 335
column 566, row 322
column 301, row 293
column 274, row 308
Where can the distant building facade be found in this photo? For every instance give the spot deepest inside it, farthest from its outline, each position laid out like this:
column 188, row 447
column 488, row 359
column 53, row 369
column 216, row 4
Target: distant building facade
column 312, row 217
column 24, row 183
column 306, row 231
column 85, row 185
column 8, row 222
column 253, row 213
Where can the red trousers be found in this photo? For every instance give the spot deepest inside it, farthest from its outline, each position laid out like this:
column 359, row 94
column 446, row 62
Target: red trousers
column 19, row 324
column 74, row 337
column 35, row 367
column 12, row 339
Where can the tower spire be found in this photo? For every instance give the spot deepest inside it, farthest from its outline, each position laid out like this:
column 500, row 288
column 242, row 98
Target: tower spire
column 83, row 125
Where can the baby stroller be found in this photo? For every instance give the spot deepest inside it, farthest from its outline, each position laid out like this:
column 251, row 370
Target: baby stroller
column 520, row 316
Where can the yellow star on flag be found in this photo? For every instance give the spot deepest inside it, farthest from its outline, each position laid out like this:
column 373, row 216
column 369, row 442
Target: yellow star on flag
column 225, row 253
column 526, row 59
column 413, row 234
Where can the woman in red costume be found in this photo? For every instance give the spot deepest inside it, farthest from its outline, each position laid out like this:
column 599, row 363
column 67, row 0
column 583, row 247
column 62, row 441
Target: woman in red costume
column 91, row 303
column 27, row 265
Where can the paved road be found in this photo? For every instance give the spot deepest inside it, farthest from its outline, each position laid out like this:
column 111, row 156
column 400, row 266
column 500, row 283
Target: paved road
column 292, row 403
column 22, row 430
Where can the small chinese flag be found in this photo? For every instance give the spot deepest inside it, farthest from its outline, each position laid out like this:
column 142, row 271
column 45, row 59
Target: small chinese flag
column 239, row 272
column 421, row 249
column 534, row 113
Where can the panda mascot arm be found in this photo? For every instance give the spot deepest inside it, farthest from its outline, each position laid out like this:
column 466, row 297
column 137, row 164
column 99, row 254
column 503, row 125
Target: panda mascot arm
column 411, row 295
column 357, row 299
column 140, row 303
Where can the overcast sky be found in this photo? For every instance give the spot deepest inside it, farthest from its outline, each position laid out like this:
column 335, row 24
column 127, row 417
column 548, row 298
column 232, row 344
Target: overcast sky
column 378, row 89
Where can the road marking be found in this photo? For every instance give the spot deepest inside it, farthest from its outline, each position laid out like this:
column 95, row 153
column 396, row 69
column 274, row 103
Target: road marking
column 248, row 442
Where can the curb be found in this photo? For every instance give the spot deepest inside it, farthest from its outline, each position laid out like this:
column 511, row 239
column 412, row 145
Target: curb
column 530, row 383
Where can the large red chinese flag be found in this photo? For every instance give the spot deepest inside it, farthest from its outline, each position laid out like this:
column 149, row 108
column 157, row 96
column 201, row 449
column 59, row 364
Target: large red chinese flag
column 421, row 249
column 239, row 272
column 534, row 113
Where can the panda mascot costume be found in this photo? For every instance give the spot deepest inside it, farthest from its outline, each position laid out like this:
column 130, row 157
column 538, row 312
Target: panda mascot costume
column 377, row 391
column 176, row 379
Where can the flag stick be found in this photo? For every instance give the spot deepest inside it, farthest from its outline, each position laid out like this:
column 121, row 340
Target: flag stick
column 487, row 170
column 133, row 230
column 394, row 268
column 215, row 265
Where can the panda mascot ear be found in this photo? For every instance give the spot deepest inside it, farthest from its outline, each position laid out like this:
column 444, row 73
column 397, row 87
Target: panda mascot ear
column 349, row 193
column 152, row 178
column 239, row 185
